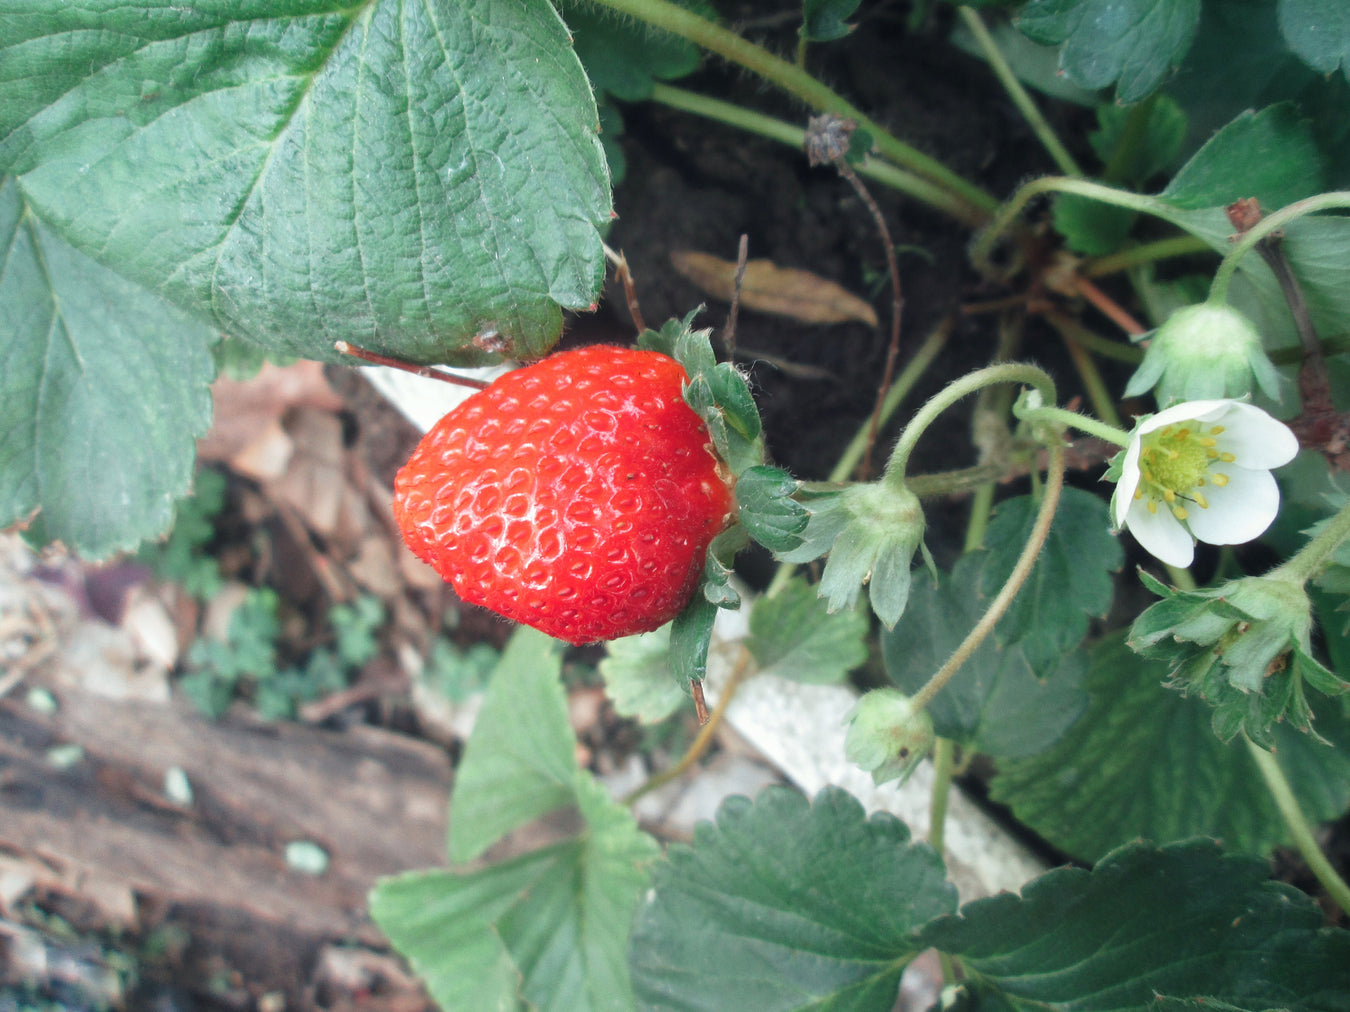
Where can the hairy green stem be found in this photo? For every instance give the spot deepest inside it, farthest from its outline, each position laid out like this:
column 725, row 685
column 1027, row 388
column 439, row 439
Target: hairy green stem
column 944, row 755
column 1026, row 105
column 1297, row 824
column 1045, row 515
column 1005, row 372
column 1218, row 289
column 1102, row 401
column 900, row 389
column 888, row 175
column 1308, row 561
column 1145, row 253
column 797, row 82
column 1082, row 423
column 986, row 240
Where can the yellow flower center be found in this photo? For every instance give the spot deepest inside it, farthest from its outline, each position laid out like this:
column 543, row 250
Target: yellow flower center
column 1175, row 463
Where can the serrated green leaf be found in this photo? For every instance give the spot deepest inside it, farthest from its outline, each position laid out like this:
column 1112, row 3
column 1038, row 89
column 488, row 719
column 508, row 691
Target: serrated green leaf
column 765, row 507
column 1090, row 227
column 794, row 636
column 1070, row 581
column 624, row 57
column 550, row 926
column 995, row 703
column 103, row 389
column 520, row 762
column 1135, row 143
column 826, row 20
column 785, row 904
column 1270, row 155
column 1143, row 762
column 1319, row 32
column 637, row 675
column 1180, row 922
column 400, row 176
column 1130, row 43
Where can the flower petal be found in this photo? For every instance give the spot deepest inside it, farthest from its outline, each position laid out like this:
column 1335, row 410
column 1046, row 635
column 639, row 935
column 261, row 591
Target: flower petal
column 1238, row 511
column 1129, row 481
column 1162, row 535
column 1257, row 440
column 1186, row 411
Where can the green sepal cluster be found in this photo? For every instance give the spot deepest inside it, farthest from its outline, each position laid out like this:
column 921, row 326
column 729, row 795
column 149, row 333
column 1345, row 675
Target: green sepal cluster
column 1243, row 647
column 887, row 736
column 871, row 533
column 1205, row 352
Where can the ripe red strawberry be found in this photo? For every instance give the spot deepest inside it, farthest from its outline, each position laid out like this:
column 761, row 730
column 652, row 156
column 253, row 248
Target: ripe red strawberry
column 577, row 495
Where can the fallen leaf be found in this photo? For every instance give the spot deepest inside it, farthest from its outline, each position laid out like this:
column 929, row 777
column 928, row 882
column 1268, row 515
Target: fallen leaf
column 768, row 288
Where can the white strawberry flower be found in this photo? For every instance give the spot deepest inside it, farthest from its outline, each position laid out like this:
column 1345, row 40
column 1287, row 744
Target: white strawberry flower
column 1201, row 471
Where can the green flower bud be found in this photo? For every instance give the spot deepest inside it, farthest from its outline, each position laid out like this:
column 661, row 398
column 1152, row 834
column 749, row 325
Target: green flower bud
column 1243, row 647
column 887, row 736
column 1205, row 352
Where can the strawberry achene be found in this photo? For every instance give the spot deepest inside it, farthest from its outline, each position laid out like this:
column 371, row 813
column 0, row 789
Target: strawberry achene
column 577, row 495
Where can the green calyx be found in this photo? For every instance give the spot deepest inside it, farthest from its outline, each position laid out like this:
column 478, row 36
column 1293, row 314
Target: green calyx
column 1243, row 647
column 887, row 735
column 1205, row 352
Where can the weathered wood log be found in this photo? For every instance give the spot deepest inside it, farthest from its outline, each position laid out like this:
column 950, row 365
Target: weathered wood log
column 374, row 802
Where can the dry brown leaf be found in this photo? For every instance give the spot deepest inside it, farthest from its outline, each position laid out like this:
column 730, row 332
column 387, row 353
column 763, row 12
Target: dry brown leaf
column 246, row 411
column 768, row 288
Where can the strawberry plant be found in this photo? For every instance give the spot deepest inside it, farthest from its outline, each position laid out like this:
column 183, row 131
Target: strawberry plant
column 430, row 183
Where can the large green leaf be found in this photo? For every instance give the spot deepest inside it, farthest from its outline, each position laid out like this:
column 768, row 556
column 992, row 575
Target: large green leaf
column 1143, row 762
column 1070, row 581
column 795, row 636
column 520, row 761
column 995, row 704
column 103, row 389
column 551, row 925
column 1319, row 32
column 1130, row 43
column 1240, row 61
column 785, row 904
column 1270, row 155
column 403, row 176
column 1175, row 924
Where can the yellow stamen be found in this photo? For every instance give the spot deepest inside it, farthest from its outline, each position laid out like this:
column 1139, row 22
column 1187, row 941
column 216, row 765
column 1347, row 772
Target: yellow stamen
column 1216, row 431
column 1219, row 479
column 1200, row 501
column 1227, row 458
column 1169, row 495
column 1212, row 454
column 1179, row 512
column 1208, row 441
column 1138, row 493
column 1152, row 506
column 1182, row 433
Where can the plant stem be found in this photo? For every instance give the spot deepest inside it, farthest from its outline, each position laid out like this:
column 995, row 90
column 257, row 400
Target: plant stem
column 944, row 754
column 1082, row 423
column 1019, row 95
column 900, row 389
column 885, row 173
column 705, row 733
column 1006, row 372
column 1308, row 561
column 985, row 241
column 1218, row 290
column 797, row 82
column 1101, row 399
column 1074, row 331
column 1146, row 253
column 1054, row 484
column 1297, row 824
